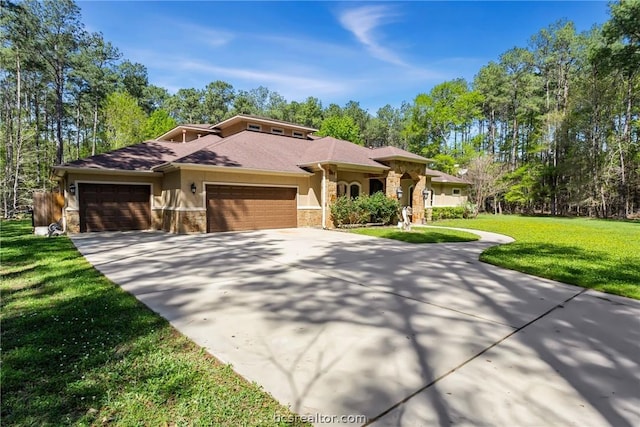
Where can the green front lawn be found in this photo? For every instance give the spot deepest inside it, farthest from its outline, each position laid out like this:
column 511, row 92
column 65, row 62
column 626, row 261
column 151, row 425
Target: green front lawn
column 418, row 235
column 76, row 349
column 597, row 254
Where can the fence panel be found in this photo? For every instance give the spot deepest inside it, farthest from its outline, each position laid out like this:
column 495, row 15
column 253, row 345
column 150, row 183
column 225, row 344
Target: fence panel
column 47, row 208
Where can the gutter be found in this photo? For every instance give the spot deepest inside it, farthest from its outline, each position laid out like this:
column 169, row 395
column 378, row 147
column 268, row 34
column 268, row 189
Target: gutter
column 324, row 197
column 61, row 170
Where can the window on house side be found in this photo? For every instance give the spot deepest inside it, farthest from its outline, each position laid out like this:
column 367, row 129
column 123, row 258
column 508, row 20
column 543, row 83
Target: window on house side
column 354, row 190
column 254, row 127
column 277, row 131
column 342, row 189
column 456, row 192
column 298, row 134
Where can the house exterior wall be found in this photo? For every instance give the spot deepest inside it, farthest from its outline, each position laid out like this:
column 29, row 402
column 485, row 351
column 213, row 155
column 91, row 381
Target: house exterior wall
column 230, row 130
column 355, row 177
column 443, row 194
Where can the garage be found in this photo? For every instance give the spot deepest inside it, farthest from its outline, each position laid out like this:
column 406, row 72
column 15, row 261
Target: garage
column 235, row 208
column 114, row 207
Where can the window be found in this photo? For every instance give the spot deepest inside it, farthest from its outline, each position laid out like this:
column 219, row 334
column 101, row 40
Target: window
column 456, row 192
column 277, row 131
column 298, row 134
column 352, row 190
column 254, row 127
column 342, row 189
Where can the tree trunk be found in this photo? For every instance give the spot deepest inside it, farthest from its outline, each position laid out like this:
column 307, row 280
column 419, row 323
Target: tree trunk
column 95, row 128
column 18, row 141
column 59, row 113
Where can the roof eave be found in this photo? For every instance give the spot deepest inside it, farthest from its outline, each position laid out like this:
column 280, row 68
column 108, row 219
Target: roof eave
column 403, row 158
column 61, row 170
column 197, row 129
column 240, row 117
column 356, row 166
column 236, row 169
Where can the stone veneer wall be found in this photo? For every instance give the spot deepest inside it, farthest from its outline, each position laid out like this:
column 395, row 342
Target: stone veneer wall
column 73, row 221
column 309, row 217
column 332, row 194
column 169, row 221
column 156, row 219
column 192, row 221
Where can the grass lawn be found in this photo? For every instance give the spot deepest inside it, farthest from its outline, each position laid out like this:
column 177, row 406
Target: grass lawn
column 597, row 254
column 418, row 235
column 77, row 350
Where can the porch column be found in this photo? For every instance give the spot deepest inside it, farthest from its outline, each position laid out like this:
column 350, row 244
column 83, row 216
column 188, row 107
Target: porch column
column 392, row 183
column 331, row 193
column 418, row 199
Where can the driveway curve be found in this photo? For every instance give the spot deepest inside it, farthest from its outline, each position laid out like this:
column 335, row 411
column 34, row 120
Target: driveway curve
column 339, row 325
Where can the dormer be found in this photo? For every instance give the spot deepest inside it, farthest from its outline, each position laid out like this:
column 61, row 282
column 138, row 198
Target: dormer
column 251, row 123
column 187, row 133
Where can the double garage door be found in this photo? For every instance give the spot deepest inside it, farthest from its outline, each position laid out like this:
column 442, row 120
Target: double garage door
column 234, row 208
column 114, row 207
column 121, row 207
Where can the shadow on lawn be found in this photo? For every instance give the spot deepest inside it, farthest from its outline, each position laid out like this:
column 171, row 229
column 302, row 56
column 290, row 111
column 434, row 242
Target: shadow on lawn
column 75, row 346
column 54, row 348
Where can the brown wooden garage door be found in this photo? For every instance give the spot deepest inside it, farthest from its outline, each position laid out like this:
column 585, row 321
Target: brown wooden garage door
column 233, row 208
column 114, row 207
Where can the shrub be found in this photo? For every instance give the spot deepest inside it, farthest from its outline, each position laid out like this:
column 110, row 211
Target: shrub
column 364, row 209
column 381, row 208
column 449, row 212
column 347, row 211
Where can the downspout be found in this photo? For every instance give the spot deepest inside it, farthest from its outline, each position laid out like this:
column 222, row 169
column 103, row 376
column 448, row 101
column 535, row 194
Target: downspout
column 324, row 197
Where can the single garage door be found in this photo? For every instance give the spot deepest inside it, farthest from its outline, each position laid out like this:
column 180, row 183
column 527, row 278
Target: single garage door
column 114, row 207
column 233, row 208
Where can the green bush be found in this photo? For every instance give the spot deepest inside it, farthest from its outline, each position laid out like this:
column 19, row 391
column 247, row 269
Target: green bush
column 364, row 209
column 381, row 208
column 449, row 212
column 347, row 211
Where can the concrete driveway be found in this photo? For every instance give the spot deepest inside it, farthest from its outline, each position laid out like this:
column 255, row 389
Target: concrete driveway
column 336, row 324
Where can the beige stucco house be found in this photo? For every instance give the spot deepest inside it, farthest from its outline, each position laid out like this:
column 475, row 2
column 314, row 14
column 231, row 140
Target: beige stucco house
column 244, row 173
column 447, row 190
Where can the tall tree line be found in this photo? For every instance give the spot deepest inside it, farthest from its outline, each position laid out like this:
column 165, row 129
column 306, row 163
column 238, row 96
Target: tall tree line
column 558, row 118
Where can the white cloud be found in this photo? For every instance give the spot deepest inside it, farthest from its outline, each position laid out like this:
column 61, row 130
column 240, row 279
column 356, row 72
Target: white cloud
column 290, row 85
column 206, row 35
column 363, row 21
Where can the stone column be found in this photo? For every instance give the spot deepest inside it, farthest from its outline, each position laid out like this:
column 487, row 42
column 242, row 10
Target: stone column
column 392, row 183
column 331, row 192
column 418, row 199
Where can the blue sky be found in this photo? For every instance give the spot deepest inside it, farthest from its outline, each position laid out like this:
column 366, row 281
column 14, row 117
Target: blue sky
column 375, row 53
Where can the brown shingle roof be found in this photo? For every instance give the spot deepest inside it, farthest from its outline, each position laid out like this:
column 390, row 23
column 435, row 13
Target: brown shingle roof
column 387, row 153
column 246, row 149
column 442, row 177
column 143, row 156
column 332, row 150
column 252, row 150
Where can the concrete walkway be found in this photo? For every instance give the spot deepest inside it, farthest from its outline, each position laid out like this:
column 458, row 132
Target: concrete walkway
column 339, row 324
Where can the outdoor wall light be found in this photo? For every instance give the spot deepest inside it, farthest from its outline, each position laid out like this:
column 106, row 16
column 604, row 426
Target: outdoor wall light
column 425, row 193
column 72, row 188
column 399, row 193
column 193, row 188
